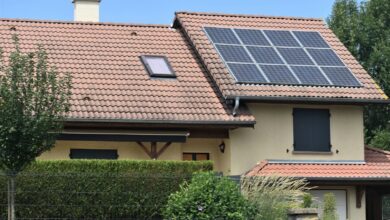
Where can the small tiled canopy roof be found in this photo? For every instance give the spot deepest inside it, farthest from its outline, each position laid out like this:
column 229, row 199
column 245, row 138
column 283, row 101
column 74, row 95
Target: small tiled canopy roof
column 193, row 23
column 376, row 166
column 109, row 79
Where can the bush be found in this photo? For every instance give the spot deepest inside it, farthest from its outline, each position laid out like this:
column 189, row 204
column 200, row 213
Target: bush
column 329, row 207
column 273, row 196
column 208, row 196
column 381, row 140
column 97, row 189
column 307, row 200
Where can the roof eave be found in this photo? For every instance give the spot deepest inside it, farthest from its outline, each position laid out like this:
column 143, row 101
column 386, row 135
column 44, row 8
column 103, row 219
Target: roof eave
column 165, row 122
column 310, row 100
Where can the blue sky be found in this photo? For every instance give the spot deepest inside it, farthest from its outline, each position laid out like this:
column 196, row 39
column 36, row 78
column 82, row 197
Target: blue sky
column 162, row 11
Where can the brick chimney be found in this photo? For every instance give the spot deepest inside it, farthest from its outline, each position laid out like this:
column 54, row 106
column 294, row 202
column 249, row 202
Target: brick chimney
column 86, row 10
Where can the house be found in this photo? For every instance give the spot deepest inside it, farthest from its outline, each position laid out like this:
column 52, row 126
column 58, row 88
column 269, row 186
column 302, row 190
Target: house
column 258, row 95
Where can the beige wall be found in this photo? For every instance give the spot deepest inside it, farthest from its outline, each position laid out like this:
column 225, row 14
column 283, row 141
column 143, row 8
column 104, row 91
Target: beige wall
column 130, row 150
column 353, row 213
column 272, row 137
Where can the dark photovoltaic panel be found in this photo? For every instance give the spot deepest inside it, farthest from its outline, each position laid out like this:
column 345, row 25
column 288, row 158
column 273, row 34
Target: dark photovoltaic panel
column 222, row 35
column 279, row 74
column 282, row 38
column 280, row 57
column 252, row 37
column 233, row 53
column 340, row 76
column 265, row 55
column 311, row 39
column 325, row 57
column 310, row 75
column 295, row 56
column 246, row 73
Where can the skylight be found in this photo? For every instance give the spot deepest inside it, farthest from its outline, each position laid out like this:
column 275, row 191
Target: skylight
column 158, row 66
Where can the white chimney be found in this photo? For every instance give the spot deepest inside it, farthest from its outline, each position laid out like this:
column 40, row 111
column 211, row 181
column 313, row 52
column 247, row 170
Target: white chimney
column 86, row 10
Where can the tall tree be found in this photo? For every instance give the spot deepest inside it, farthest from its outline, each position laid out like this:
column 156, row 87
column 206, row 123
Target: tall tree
column 34, row 100
column 365, row 31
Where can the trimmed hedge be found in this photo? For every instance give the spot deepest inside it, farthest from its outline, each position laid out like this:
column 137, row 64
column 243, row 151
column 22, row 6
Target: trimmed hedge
column 97, row 189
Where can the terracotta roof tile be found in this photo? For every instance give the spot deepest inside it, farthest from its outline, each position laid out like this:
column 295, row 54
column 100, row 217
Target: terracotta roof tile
column 376, row 166
column 192, row 24
column 110, row 81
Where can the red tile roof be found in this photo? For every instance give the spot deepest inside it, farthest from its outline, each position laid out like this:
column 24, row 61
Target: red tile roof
column 109, row 79
column 192, row 23
column 376, row 166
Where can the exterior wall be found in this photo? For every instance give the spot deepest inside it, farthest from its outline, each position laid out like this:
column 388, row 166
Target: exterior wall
column 130, row 150
column 86, row 10
column 353, row 213
column 272, row 137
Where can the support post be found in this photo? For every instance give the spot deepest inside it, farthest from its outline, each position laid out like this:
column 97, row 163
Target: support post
column 153, row 150
column 359, row 196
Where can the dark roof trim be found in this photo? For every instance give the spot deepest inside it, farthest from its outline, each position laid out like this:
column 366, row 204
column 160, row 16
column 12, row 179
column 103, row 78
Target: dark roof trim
column 166, row 122
column 310, row 100
column 142, row 136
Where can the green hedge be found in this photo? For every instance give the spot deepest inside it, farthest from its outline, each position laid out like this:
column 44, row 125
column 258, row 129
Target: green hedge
column 97, row 189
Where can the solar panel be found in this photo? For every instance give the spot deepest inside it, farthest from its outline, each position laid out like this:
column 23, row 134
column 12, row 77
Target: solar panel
column 282, row 38
column 279, row 74
column 295, row 56
column 246, row 73
column 325, row 57
column 265, row 55
column 280, row 57
column 233, row 53
column 252, row 37
column 311, row 39
column 340, row 76
column 310, row 75
column 222, row 35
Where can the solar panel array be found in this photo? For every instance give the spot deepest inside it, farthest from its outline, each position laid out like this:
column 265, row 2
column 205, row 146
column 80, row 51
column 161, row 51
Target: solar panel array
column 280, row 57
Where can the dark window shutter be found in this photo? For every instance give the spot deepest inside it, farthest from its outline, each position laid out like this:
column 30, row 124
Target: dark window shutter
column 93, row 154
column 311, row 130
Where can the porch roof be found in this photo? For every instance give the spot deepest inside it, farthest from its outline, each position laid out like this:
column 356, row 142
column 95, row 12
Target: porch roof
column 375, row 167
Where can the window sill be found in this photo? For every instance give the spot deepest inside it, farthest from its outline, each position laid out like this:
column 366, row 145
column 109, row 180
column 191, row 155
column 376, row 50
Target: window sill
column 313, row 152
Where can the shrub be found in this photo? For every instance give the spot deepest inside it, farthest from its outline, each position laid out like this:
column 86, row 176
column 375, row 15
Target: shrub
column 381, row 139
column 208, row 196
column 329, row 207
column 307, row 200
column 273, row 196
column 98, row 189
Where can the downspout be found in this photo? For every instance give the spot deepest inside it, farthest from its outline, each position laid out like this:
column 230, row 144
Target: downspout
column 236, row 105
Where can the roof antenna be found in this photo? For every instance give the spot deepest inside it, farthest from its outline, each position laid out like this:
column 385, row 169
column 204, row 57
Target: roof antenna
column 236, row 105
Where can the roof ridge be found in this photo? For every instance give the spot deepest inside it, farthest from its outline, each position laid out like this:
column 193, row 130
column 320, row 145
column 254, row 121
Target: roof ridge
column 377, row 150
column 85, row 23
column 249, row 16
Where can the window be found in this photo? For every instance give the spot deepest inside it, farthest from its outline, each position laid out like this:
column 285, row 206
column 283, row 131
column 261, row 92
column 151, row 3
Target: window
column 196, row 156
column 93, row 154
column 311, row 130
column 158, row 66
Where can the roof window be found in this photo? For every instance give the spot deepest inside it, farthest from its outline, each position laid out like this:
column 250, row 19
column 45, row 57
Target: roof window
column 158, row 66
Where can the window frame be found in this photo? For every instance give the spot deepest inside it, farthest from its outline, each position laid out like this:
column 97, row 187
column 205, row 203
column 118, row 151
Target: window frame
column 194, row 155
column 144, row 59
column 72, row 156
column 315, row 150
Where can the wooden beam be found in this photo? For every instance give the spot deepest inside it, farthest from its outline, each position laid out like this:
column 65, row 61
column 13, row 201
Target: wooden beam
column 153, row 150
column 359, row 195
column 163, row 149
column 145, row 149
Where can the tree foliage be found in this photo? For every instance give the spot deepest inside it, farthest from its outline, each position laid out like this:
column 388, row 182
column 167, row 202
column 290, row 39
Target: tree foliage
column 34, row 100
column 329, row 207
column 365, row 31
